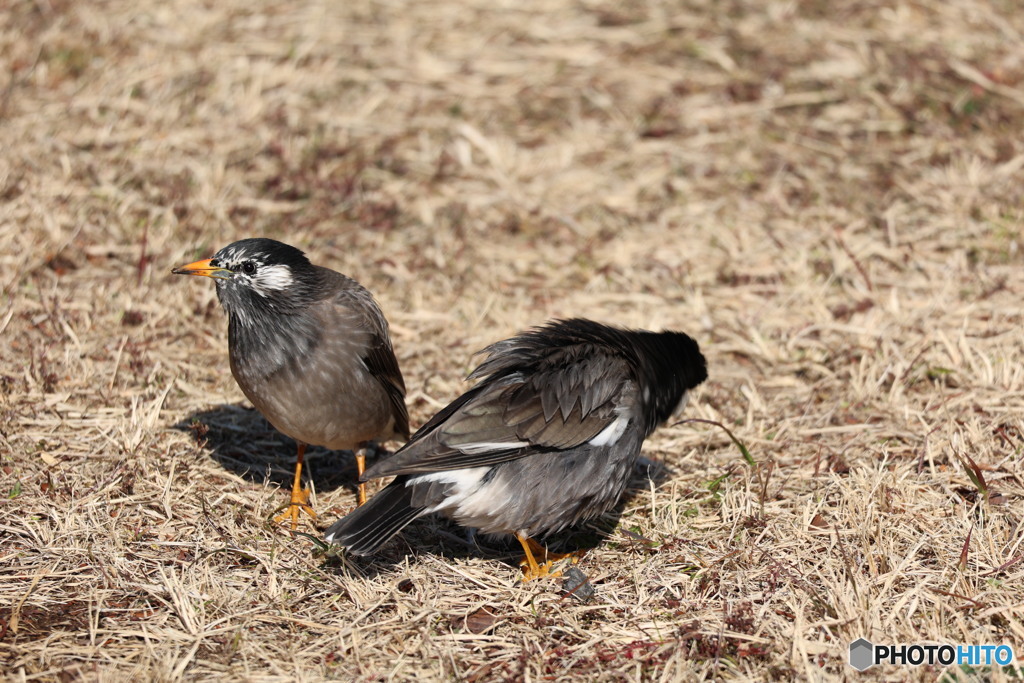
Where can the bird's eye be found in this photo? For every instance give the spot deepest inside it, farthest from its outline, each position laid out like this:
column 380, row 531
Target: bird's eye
column 248, row 267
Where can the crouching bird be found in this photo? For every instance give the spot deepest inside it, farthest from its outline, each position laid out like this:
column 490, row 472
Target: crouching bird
column 547, row 438
column 310, row 349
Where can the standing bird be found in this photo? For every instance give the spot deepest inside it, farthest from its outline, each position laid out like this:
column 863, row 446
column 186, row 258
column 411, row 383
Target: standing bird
column 310, row 349
column 546, row 439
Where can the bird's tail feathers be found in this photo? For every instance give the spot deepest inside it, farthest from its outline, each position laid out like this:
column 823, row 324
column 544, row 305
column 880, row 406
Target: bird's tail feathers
column 369, row 526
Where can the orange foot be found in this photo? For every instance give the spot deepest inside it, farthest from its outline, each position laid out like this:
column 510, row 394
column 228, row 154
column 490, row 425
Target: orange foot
column 298, row 504
column 300, row 496
column 531, row 568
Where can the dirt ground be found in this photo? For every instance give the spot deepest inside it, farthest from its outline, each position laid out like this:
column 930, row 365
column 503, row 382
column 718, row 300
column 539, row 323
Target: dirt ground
column 828, row 196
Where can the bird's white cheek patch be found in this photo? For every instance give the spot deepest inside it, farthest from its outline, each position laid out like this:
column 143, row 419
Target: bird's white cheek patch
column 272, row 279
column 611, row 433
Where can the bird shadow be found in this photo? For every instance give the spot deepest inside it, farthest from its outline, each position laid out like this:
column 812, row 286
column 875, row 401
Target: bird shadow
column 436, row 535
column 241, row 441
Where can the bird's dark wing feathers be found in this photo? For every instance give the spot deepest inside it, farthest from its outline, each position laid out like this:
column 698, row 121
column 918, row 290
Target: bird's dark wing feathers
column 558, row 404
column 567, row 406
column 381, row 362
column 379, row 357
column 369, row 526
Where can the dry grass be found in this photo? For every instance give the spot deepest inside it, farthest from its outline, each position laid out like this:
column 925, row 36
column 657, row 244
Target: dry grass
column 827, row 195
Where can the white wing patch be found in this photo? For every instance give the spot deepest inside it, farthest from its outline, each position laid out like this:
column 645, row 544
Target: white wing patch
column 612, row 432
column 463, row 479
column 467, row 497
column 488, row 446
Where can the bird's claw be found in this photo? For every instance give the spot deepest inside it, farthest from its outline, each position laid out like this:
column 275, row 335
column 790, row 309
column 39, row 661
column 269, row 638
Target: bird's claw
column 535, row 570
column 540, row 571
column 298, row 505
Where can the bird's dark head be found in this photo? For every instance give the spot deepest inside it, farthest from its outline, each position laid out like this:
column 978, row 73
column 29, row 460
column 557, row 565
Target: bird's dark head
column 259, row 275
column 670, row 365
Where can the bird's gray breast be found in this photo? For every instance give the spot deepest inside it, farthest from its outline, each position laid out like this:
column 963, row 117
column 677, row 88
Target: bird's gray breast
column 270, row 345
column 306, row 375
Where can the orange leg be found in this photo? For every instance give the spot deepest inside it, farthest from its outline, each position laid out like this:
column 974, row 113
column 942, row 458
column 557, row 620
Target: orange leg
column 360, row 468
column 531, row 568
column 300, row 496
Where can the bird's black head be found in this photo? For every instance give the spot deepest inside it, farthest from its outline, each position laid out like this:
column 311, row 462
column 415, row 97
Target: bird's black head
column 257, row 276
column 670, row 364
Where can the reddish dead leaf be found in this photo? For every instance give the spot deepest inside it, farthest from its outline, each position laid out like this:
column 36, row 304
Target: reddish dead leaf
column 480, row 673
column 479, row 621
column 996, row 498
column 838, row 465
column 846, row 311
column 963, row 551
column 818, row 522
column 61, row 264
column 133, row 318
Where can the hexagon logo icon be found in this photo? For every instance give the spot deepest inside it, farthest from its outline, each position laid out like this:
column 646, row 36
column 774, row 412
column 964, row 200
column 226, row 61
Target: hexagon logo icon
column 861, row 651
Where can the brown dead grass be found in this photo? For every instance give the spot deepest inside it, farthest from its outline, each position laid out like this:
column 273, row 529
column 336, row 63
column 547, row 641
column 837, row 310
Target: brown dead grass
column 827, row 195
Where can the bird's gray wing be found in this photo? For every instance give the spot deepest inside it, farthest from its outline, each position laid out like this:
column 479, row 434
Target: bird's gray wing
column 556, row 407
column 381, row 362
column 369, row 328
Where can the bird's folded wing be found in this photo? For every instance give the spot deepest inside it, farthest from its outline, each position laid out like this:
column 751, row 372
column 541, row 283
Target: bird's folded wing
column 381, row 362
column 548, row 410
column 359, row 314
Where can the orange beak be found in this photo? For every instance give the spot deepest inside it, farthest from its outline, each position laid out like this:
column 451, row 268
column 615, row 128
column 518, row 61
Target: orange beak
column 204, row 268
